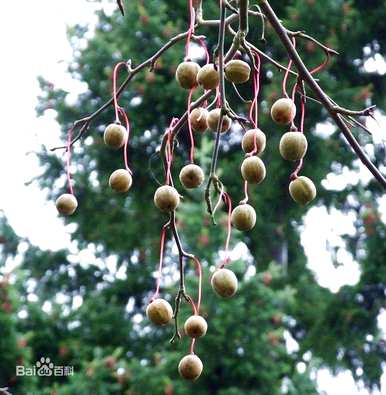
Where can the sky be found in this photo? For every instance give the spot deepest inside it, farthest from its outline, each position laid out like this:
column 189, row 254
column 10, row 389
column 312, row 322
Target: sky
column 34, row 42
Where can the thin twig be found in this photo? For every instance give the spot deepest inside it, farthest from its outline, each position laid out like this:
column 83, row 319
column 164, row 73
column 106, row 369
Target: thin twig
column 85, row 122
column 181, row 294
column 365, row 112
column 213, row 165
column 243, row 16
column 302, row 34
column 121, row 6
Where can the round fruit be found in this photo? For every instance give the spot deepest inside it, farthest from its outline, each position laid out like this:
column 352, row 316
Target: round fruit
column 283, row 111
column 195, row 326
column 191, row 176
column 243, row 217
column 213, row 118
column 224, row 283
column 237, row 71
column 293, row 146
column 166, row 198
column 253, row 170
column 115, row 136
column 186, row 74
column 302, row 190
column 66, row 204
column 199, row 119
column 208, row 77
column 120, row 180
column 249, row 138
column 159, row 312
column 190, row 367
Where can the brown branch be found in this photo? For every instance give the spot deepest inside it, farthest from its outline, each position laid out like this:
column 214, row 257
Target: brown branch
column 369, row 111
column 193, row 105
column 354, row 123
column 85, row 122
column 181, row 294
column 318, row 91
column 213, row 165
column 121, row 7
column 302, row 34
column 200, row 21
column 236, row 44
column 243, row 17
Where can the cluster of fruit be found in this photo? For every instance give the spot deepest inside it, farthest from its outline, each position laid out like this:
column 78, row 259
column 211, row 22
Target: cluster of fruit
column 120, row 180
column 189, row 74
column 293, row 146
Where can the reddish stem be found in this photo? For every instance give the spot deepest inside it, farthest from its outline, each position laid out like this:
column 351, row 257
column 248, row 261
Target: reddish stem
column 295, row 173
column 199, row 272
column 284, row 85
column 253, row 110
column 115, row 101
column 169, row 151
column 125, row 148
column 161, row 259
column 68, row 161
column 228, row 202
column 203, row 45
column 191, row 28
column 191, row 154
column 246, row 198
column 196, row 308
column 323, row 65
column 192, row 344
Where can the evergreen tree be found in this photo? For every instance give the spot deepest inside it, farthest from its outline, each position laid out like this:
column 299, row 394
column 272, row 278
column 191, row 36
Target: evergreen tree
column 108, row 340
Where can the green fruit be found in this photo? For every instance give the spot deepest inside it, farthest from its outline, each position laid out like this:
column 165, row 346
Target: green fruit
column 191, row 176
column 302, row 190
column 293, row 146
column 253, row 170
column 66, row 204
column 224, row 283
column 208, row 77
column 159, row 312
column 195, row 326
column 213, row 119
column 237, row 71
column 243, row 217
column 190, row 367
column 186, row 74
column 283, row 111
column 249, row 138
column 166, row 198
column 120, row 180
column 199, row 119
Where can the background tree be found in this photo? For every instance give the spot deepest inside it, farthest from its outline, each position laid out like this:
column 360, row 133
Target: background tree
column 112, row 348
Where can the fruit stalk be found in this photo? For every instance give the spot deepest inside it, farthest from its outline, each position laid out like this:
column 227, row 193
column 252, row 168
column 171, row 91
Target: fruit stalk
column 220, row 47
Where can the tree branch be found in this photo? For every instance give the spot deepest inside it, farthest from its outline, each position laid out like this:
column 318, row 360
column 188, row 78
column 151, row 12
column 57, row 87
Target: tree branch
column 213, row 165
column 181, row 294
column 121, row 6
column 329, row 51
column 84, row 123
column 369, row 111
column 322, row 96
column 243, row 18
